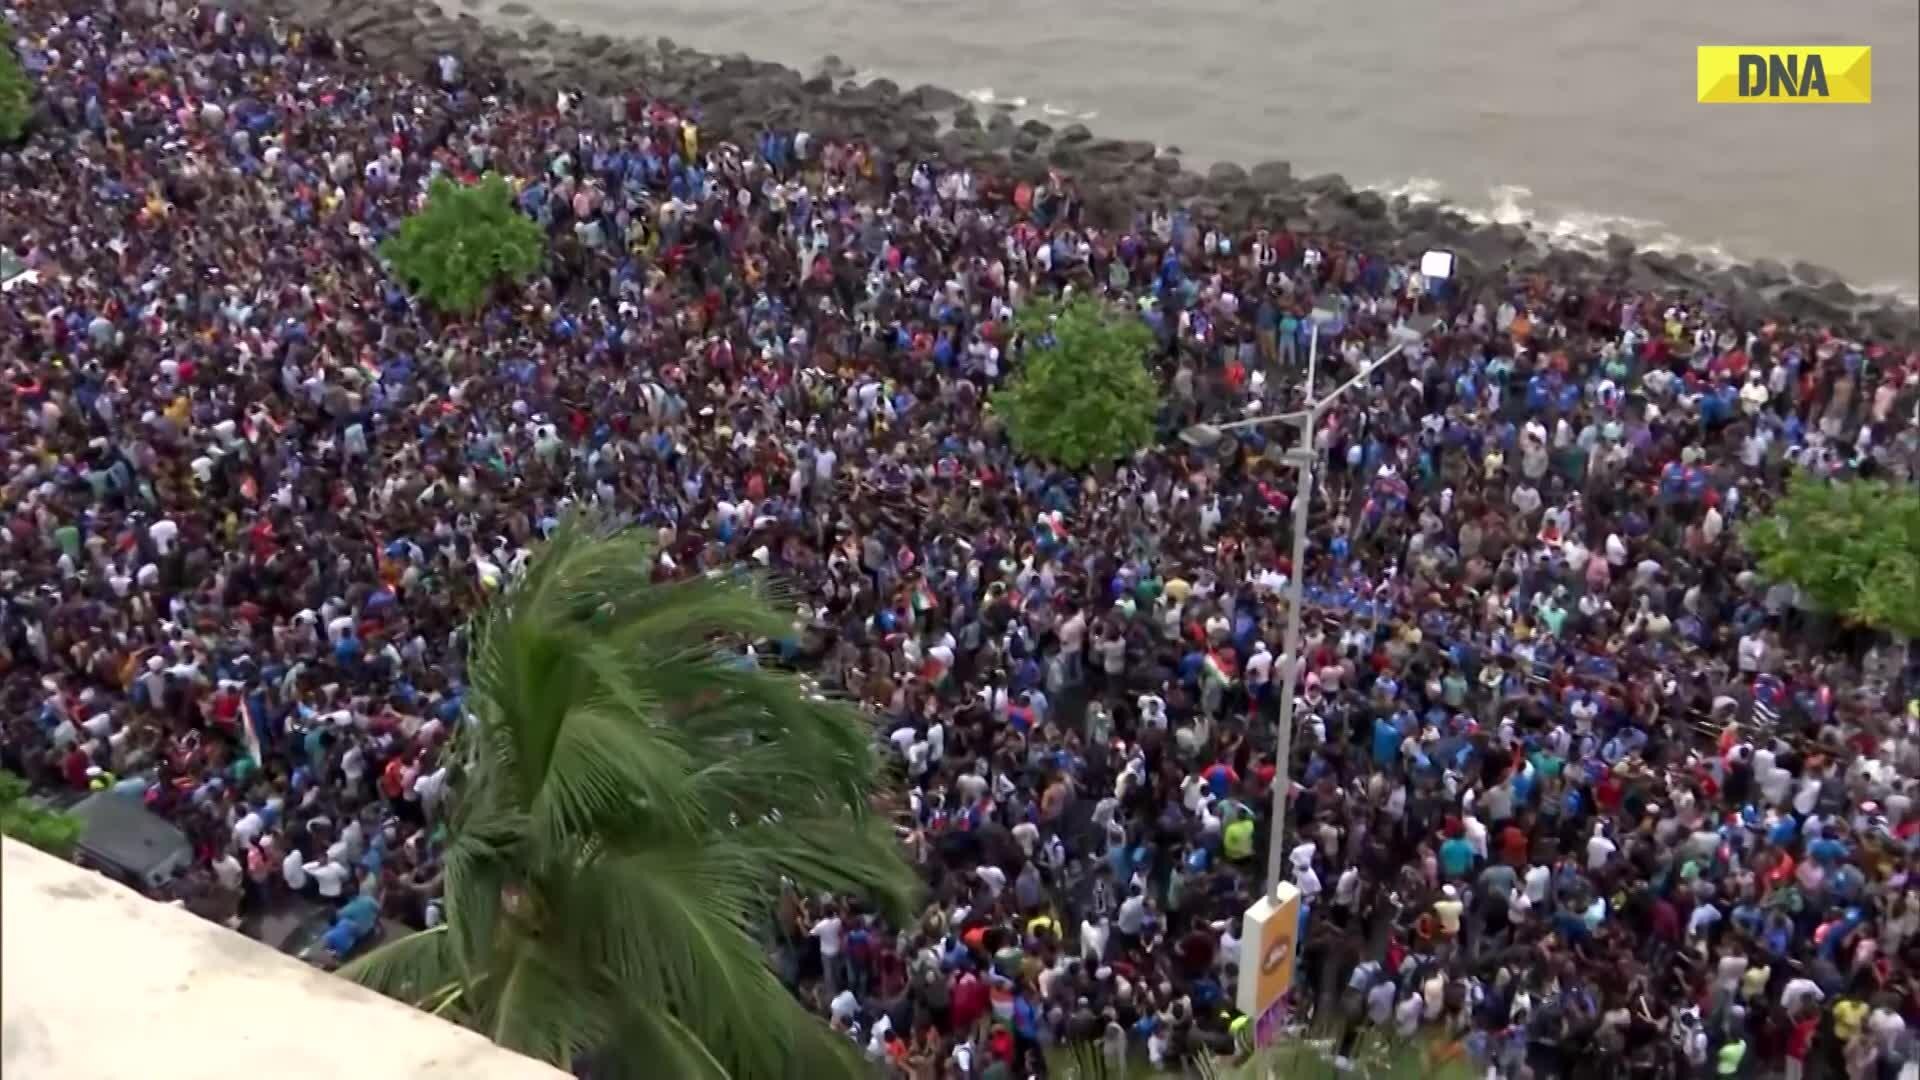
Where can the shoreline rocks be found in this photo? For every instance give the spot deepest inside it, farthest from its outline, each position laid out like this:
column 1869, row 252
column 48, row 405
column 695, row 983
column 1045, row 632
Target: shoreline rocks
column 739, row 97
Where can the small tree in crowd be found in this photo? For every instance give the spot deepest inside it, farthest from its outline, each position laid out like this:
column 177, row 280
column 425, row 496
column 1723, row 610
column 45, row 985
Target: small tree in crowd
column 468, row 239
column 1852, row 547
column 16, row 93
column 49, row 830
column 1083, row 393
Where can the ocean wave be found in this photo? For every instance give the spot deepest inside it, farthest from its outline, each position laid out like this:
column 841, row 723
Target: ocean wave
column 985, row 96
column 1587, row 230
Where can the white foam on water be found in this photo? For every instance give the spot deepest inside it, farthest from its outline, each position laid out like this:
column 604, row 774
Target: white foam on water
column 1511, row 204
column 985, row 96
column 1895, row 291
column 1048, row 108
column 1418, row 190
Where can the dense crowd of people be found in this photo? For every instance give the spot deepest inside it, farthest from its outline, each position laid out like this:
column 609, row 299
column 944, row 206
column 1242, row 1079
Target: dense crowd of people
column 1572, row 787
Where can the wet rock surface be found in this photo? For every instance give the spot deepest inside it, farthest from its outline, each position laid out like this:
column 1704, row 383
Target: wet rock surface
column 738, row 97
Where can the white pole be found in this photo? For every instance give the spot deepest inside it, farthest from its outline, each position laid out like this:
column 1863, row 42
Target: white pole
column 1290, row 644
column 1296, row 599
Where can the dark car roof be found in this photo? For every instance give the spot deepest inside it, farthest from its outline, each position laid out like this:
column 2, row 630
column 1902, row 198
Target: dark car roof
column 126, row 836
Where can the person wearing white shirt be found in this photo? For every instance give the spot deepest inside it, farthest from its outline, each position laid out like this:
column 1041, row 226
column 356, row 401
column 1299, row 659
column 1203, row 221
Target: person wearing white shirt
column 1027, row 835
column 994, row 878
column 226, row 870
column 1133, row 913
column 1599, row 848
column 330, row 878
column 293, row 869
column 430, row 788
column 1799, row 991
column 1193, row 788
column 1346, row 888
column 1259, row 669
column 1539, row 880
column 1476, row 835
column 1153, row 711
column 1093, row 939
column 354, row 835
column 1306, row 881
column 248, row 829
column 903, row 738
column 1407, row 1014
column 1807, row 796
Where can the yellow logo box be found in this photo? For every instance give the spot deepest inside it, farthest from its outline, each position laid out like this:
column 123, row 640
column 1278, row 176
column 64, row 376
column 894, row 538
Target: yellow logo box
column 1810, row 74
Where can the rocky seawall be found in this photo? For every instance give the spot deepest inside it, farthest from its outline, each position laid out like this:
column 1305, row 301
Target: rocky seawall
column 739, row 97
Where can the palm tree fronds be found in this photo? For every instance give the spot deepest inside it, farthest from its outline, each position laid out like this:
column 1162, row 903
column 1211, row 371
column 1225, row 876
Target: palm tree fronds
column 630, row 797
column 610, row 771
column 415, row 969
column 838, row 855
column 543, row 1009
column 652, row 1043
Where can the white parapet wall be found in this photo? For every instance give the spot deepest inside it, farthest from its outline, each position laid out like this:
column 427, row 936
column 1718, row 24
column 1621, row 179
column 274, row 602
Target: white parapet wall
column 100, row 983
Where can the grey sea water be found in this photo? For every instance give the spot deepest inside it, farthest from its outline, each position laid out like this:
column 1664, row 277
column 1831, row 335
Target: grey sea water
column 1576, row 116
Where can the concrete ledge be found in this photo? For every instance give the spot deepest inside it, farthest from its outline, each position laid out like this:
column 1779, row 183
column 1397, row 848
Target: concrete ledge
column 102, row 983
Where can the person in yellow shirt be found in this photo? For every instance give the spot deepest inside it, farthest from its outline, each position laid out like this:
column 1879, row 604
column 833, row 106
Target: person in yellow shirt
column 1237, row 839
column 1849, row 1015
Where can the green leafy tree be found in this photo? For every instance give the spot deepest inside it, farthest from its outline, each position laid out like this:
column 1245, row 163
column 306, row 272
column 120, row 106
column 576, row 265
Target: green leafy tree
column 1083, row 393
column 1852, row 547
column 49, row 830
column 467, row 240
column 630, row 797
column 16, row 93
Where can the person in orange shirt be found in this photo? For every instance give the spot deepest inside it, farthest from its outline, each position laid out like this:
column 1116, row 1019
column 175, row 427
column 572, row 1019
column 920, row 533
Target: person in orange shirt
column 393, row 778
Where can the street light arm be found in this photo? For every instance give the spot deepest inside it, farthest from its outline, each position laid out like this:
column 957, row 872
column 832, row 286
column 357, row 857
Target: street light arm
column 1275, row 418
column 1360, row 377
column 1313, row 411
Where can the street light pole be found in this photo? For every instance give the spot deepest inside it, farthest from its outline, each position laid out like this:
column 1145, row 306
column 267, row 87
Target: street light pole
column 1290, row 644
column 1296, row 598
column 1203, row 436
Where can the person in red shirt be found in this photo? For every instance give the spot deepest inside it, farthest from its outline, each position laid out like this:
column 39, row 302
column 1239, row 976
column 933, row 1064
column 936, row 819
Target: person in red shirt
column 968, row 1002
column 392, row 778
column 1513, row 846
column 74, row 767
column 1800, row 1043
column 1000, row 1045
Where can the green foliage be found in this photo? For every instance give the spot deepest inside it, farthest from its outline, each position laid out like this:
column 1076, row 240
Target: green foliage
column 630, row 797
column 468, row 239
column 16, row 93
column 1375, row 1057
column 1853, row 548
column 1083, row 393
column 49, row 830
